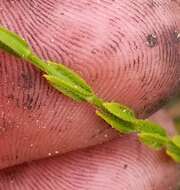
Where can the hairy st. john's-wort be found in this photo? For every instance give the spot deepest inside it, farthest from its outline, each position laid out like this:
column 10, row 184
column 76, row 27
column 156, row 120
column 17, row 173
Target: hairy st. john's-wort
column 70, row 84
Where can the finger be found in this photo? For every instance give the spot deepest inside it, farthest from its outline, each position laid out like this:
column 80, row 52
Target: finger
column 126, row 50
column 123, row 163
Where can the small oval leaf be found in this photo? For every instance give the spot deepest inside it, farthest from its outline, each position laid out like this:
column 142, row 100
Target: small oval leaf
column 116, row 123
column 173, row 151
column 59, row 69
column 152, row 140
column 176, row 140
column 68, row 89
column 120, row 111
column 12, row 43
column 145, row 126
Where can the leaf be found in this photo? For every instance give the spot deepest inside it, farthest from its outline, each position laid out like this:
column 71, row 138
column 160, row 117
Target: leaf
column 67, row 88
column 173, row 151
column 60, row 70
column 176, row 140
column 13, row 44
column 145, row 126
column 71, row 84
column 120, row 111
column 154, row 141
column 116, row 123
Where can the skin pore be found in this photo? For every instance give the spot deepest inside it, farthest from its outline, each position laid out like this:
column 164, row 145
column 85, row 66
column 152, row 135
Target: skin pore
column 128, row 52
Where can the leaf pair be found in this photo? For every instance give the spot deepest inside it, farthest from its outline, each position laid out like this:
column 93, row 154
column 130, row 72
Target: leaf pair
column 71, row 84
column 118, row 116
column 67, row 82
column 151, row 134
column 59, row 76
column 123, row 119
column 173, row 148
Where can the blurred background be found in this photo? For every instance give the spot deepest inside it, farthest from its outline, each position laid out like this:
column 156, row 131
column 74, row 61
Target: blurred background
column 173, row 108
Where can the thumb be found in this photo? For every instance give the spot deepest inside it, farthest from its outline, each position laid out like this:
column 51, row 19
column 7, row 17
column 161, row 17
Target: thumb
column 126, row 50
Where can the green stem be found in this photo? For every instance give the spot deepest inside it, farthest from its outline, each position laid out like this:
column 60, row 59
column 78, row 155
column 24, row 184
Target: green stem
column 71, row 84
column 36, row 61
column 96, row 102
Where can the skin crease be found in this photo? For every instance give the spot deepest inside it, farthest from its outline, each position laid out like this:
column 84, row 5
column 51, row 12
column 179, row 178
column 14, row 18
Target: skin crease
column 114, row 165
column 110, row 44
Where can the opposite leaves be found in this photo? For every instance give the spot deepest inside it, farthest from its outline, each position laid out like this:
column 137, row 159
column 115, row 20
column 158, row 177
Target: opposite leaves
column 72, row 85
column 13, row 44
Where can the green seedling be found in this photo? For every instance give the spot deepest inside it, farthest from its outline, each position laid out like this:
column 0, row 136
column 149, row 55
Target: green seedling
column 69, row 83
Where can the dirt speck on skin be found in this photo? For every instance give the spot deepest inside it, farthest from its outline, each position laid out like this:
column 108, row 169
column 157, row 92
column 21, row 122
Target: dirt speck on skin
column 49, row 154
column 28, row 102
column 151, row 40
column 177, row 36
column 125, row 166
column 25, row 81
column 11, row 174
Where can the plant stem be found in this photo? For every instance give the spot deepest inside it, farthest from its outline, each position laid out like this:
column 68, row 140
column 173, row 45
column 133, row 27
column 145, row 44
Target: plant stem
column 35, row 60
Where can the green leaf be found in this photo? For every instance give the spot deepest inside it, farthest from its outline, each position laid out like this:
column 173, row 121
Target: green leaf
column 173, row 151
column 59, row 70
column 176, row 140
column 72, row 85
column 13, row 44
column 154, row 141
column 120, row 111
column 67, row 88
column 116, row 123
column 145, row 126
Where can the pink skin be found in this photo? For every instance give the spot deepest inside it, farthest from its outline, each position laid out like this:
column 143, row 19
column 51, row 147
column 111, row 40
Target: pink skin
column 123, row 163
column 107, row 43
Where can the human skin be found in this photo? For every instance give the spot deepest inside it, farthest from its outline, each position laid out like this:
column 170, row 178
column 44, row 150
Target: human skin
column 127, row 50
column 123, row 163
